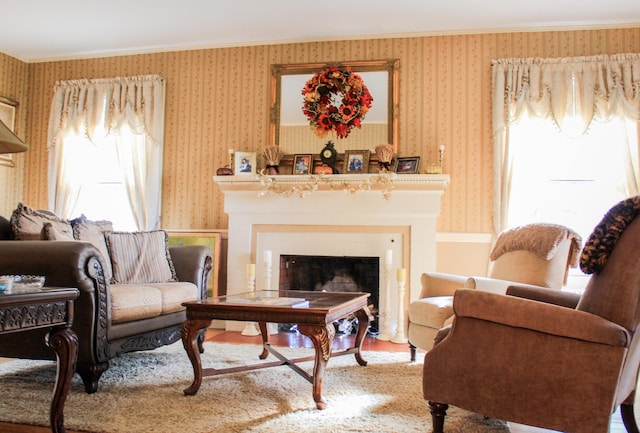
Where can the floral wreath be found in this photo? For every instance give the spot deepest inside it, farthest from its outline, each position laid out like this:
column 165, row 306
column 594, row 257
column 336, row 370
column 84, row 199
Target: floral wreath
column 335, row 99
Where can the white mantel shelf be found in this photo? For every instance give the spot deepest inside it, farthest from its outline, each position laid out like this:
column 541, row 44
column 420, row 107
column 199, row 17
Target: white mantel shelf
column 340, row 215
column 328, row 182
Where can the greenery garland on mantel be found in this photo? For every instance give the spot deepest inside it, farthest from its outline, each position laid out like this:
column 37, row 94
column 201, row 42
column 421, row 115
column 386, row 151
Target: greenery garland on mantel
column 305, row 186
column 312, row 182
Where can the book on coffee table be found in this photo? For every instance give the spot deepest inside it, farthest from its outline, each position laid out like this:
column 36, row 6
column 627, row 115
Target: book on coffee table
column 269, row 300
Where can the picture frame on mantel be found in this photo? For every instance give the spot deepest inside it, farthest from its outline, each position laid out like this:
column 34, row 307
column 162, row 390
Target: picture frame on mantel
column 356, row 161
column 8, row 117
column 244, row 163
column 408, row 165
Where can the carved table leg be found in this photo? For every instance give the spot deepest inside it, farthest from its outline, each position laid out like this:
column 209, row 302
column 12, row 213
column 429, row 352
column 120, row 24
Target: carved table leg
column 364, row 317
column 65, row 343
column 265, row 339
column 190, row 331
column 322, row 338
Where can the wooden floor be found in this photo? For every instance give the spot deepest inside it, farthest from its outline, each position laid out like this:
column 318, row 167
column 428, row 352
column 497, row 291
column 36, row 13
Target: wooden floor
column 298, row 340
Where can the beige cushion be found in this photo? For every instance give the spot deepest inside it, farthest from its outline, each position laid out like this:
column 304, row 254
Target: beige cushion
column 56, row 232
column 93, row 232
column 28, row 224
column 431, row 312
column 134, row 302
column 140, row 257
column 174, row 294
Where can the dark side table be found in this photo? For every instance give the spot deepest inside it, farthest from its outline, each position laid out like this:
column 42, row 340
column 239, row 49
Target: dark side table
column 46, row 308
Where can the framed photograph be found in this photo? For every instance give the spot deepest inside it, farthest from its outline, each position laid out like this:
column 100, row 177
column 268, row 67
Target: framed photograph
column 356, row 161
column 409, row 165
column 8, row 117
column 302, row 164
column 208, row 238
column 244, row 163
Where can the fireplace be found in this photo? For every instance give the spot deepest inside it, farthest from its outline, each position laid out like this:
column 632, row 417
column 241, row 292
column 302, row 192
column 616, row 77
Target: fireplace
column 334, row 220
column 333, row 274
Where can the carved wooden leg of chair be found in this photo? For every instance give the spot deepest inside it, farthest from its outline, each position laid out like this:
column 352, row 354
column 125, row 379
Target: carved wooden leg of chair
column 90, row 374
column 628, row 418
column 412, row 350
column 438, row 412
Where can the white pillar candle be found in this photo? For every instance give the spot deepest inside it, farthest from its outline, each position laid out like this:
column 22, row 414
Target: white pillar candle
column 267, row 256
column 388, row 257
column 441, row 148
column 401, row 275
column 251, row 269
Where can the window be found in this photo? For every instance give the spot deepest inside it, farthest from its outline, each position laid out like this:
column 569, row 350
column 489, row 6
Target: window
column 105, row 142
column 102, row 194
column 564, row 180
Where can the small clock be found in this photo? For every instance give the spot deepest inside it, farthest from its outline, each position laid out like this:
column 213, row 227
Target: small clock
column 328, row 155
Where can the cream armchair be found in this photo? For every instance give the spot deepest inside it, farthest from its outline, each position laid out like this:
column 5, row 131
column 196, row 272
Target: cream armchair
column 535, row 254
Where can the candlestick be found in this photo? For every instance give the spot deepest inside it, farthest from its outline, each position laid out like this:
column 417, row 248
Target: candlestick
column 251, row 328
column 267, row 256
column 400, row 337
column 231, row 151
column 401, row 275
column 385, row 331
column 267, row 270
column 441, row 155
column 388, row 257
column 251, row 269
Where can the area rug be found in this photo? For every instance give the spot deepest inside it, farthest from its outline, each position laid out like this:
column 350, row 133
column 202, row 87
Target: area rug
column 142, row 393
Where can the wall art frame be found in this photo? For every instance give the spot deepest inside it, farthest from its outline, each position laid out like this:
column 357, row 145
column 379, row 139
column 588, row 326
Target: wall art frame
column 208, row 238
column 8, row 109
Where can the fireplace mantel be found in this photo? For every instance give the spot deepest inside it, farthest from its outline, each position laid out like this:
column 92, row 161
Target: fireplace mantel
column 337, row 215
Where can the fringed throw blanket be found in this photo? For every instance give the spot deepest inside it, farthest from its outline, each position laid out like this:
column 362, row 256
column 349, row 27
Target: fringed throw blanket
column 605, row 235
column 542, row 239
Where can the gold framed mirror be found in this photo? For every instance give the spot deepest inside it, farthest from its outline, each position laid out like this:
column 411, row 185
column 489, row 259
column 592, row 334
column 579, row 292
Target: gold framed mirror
column 290, row 129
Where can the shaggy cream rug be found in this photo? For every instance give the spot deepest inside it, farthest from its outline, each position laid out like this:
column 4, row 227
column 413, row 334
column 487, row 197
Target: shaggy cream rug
column 142, row 393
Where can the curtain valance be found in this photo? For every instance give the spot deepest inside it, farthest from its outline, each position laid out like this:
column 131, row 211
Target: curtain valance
column 87, row 107
column 572, row 91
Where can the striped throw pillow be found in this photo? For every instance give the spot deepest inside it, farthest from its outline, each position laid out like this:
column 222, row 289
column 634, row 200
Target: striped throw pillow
column 140, row 257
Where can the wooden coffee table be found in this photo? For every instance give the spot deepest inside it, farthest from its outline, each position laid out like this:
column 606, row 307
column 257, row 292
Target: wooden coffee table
column 46, row 308
column 313, row 312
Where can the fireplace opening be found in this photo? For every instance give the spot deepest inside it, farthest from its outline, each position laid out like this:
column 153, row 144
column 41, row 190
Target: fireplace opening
column 334, row 274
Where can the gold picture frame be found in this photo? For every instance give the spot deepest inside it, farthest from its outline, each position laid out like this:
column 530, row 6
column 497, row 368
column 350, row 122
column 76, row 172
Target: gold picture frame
column 208, row 238
column 8, row 117
column 302, row 163
column 356, row 161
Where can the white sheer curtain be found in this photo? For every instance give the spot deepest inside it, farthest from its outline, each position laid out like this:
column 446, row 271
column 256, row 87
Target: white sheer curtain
column 104, row 111
column 572, row 92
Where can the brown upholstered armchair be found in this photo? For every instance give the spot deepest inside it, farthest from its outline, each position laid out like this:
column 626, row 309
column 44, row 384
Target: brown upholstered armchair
column 546, row 358
column 539, row 254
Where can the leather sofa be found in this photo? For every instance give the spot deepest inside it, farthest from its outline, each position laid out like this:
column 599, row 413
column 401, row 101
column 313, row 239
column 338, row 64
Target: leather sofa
column 101, row 337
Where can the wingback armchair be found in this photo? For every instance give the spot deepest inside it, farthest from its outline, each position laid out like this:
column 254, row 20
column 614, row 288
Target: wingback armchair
column 538, row 254
column 551, row 359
